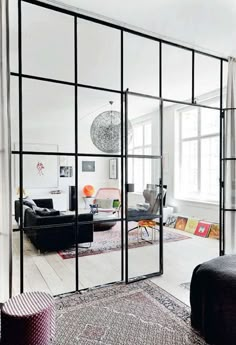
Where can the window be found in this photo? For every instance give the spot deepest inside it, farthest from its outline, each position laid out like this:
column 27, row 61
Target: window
column 139, row 171
column 197, row 158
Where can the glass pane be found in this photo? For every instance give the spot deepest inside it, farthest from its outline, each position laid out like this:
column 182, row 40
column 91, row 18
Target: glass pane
column 210, row 123
column 49, row 229
column 189, row 123
column 148, row 134
column 15, row 227
column 103, row 173
column 144, row 123
column 207, row 78
column 98, row 55
column 101, row 263
column 48, row 49
column 14, row 101
column 138, row 136
column 99, row 129
column 131, row 170
column 147, row 150
column 138, row 151
column 225, row 78
column 48, row 116
column 176, row 73
column 230, row 184
column 143, row 204
column 210, row 169
column 13, row 28
column 189, row 168
column 100, row 198
column 131, row 144
column 143, row 75
column 138, row 168
column 229, row 236
column 147, row 171
column 45, row 175
column 16, row 261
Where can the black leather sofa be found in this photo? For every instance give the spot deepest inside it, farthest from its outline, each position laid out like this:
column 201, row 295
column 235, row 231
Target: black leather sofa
column 51, row 233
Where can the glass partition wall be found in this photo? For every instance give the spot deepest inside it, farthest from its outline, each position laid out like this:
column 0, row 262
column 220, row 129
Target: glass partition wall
column 87, row 127
column 144, row 241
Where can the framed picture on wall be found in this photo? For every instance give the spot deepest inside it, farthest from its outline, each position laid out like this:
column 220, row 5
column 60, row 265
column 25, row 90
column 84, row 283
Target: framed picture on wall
column 39, row 171
column 113, row 168
column 66, row 171
column 88, row 166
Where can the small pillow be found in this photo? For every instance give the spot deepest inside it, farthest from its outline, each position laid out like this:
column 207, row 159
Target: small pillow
column 37, row 208
column 46, row 213
column 29, row 202
column 104, row 203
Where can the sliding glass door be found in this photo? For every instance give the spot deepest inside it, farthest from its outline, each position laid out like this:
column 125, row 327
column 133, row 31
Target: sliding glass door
column 143, row 156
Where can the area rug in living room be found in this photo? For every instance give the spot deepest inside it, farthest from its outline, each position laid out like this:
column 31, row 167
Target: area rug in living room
column 110, row 240
column 135, row 314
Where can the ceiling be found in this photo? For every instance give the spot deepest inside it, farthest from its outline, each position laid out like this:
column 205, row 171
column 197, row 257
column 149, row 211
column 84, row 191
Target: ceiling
column 209, row 25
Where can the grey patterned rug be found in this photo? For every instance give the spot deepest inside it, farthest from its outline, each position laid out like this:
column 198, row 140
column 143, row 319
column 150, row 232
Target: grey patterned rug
column 135, row 314
column 108, row 241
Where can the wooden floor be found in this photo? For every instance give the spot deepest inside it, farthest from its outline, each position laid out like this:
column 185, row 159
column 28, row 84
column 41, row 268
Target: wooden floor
column 49, row 272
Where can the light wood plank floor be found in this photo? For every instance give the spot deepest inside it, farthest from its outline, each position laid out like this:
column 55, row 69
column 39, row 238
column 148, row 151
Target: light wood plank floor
column 49, row 272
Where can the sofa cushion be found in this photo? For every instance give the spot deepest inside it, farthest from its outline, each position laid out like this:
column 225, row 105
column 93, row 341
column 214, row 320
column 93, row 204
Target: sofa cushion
column 104, row 203
column 47, row 213
column 47, row 220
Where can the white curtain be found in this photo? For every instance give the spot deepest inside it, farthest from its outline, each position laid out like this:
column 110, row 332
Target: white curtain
column 230, row 166
column 5, row 158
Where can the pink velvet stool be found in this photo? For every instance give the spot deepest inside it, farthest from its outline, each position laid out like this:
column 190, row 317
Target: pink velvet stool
column 28, row 319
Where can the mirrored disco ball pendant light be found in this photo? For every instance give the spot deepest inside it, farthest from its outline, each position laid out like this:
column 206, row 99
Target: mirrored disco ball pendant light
column 105, row 131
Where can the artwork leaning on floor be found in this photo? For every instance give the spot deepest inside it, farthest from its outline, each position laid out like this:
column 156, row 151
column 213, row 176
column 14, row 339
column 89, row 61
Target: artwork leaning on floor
column 181, row 223
column 171, row 221
column 191, row 225
column 202, row 229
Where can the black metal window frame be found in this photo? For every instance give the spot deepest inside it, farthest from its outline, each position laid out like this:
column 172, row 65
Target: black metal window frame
column 224, row 159
column 124, row 94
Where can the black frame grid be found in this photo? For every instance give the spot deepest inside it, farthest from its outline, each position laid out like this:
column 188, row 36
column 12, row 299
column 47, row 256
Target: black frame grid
column 160, row 185
column 224, row 159
column 123, row 106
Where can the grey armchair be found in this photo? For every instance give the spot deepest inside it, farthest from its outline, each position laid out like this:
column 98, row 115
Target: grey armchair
column 150, row 209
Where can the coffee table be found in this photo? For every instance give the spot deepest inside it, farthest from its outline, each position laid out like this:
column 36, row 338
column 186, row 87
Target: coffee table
column 103, row 218
column 106, row 220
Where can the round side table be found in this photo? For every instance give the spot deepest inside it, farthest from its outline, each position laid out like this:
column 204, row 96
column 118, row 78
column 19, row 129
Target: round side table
column 88, row 200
